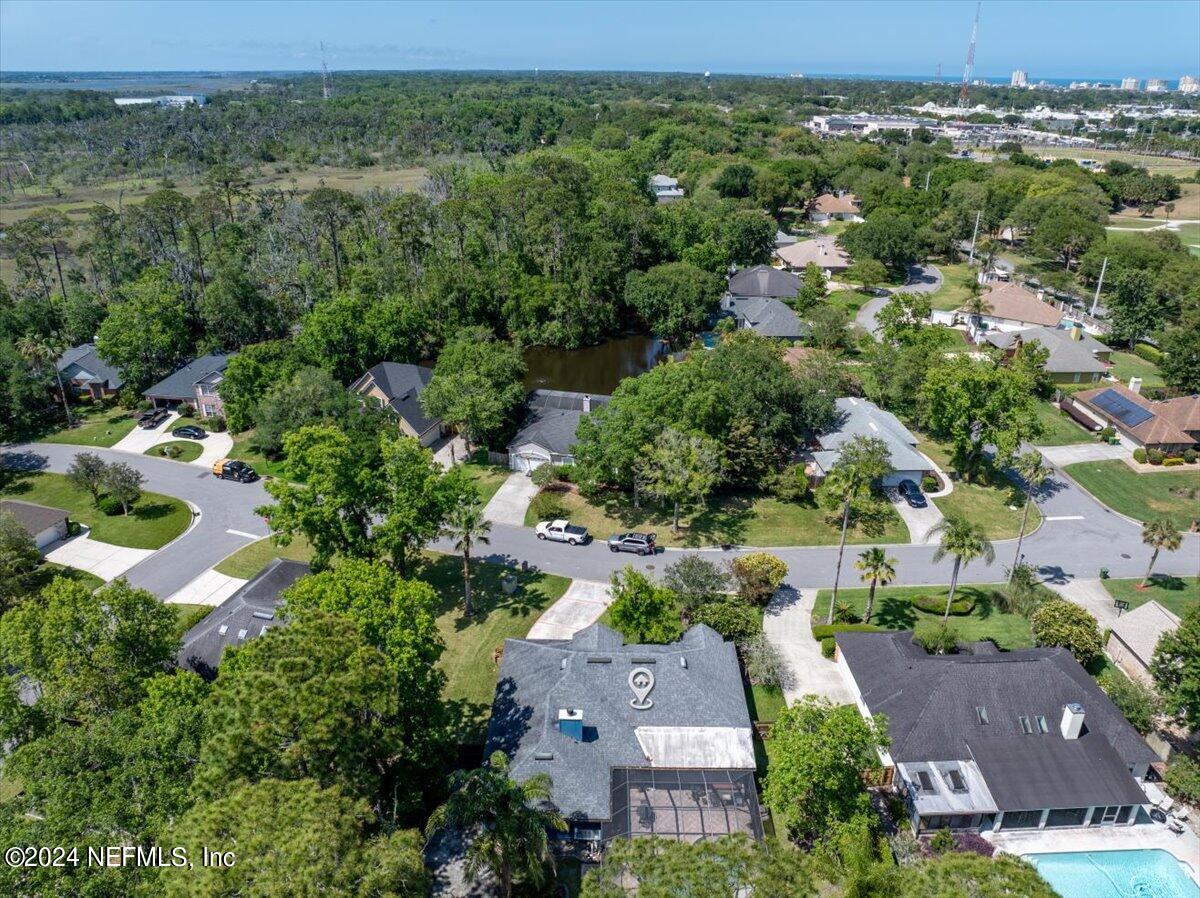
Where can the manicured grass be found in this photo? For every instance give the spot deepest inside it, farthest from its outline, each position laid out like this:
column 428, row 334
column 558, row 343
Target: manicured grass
column 248, row 561
column 1176, row 594
column 467, row 662
column 189, row 450
column 98, row 426
column 765, row 702
column 187, row 616
column 850, row 300
column 1127, row 365
column 1135, row 224
column 739, row 519
column 153, row 521
column 894, row 611
column 1173, row 493
column 1060, row 429
column 488, row 478
column 987, row 500
column 49, row 570
column 833, row 228
column 956, row 286
column 243, row 450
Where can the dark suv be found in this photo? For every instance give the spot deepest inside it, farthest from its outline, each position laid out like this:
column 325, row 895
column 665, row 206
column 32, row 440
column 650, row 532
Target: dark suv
column 151, row 419
column 638, row 543
column 912, row 494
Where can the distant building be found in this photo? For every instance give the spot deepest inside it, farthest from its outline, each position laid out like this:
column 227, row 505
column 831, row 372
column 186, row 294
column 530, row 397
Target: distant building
column 1130, row 84
column 548, row 434
column 83, row 370
column 841, row 206
column 1189, row 85
column 1156, row 86
column 196, row 383
column 1019, row 79
column 171, row 101
column 1075, row 356
column 665, row 189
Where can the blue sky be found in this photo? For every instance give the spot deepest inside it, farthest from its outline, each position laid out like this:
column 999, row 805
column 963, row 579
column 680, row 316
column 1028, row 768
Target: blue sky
column 1096, row 38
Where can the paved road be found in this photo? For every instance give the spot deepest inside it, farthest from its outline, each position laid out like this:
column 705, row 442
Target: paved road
column 225, row 506
column 1078, row 537
column 921, row 279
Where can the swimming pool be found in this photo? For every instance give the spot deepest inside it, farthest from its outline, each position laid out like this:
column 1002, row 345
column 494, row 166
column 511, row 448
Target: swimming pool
column 1148, row 873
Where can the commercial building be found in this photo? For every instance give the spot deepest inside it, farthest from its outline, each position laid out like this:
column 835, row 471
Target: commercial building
column 1019, row 79
column 1130, row 84
column 1189, row 85
column 171, row 101
column 1156, row 86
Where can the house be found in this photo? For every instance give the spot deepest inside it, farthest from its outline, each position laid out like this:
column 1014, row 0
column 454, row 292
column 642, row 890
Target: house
column 1075, row 355
column 665, row 189
column 548, row 434
column 196, row 383
column 44, row 525
column 763, row 281
column 862, row 418
column 1009, row 307
column 766, row 317
column 821, row 251
column 835, row 207
column 638, row 740
column 782, row 239
column 398, row 386
column 1133, row 636
column 82, row 369
column 1169, row 425
column 997, row 741
column 247, row 614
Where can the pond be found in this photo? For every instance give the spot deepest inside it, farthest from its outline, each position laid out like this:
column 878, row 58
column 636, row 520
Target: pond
column 592, row 369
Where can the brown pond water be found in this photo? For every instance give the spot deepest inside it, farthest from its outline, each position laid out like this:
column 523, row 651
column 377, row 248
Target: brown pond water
column 593, row 369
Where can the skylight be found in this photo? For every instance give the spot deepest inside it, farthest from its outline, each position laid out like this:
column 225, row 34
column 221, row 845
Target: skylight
column 1026, row 726
column 1041, row 724
column 926, row 781
column 981, row 716
column 957, row 783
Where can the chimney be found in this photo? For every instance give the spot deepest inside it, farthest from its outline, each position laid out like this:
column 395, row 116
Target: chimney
column 570, row 722
column 1135, row 385
column 587, row 402
column 1076, row 333
column 1072, row 720
column 1041, row 294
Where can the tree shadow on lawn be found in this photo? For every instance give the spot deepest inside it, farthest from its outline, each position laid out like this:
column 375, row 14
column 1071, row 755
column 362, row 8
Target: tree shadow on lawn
column 444, row 574
column 151, row 511
column 16, row 465
column 894, row 613
column 721, row 521
column 1168, row 581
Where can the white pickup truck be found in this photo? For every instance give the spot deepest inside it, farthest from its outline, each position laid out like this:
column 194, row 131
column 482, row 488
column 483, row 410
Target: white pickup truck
column 561, row 532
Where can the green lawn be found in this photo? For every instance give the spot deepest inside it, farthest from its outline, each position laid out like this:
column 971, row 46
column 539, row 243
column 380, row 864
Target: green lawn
column 99, row 426
column 187, row 616
column 739, row 519
column 1176, row 594
column 849, row 300
column 153, row 521
column 1127, row 365
column 48, row 571
column 956, row 286
column 248, row 561
column 243, row 450
column 188, row 450
column 1190, row 235
column 488, row 478
column 1060, row 429
column 765, row 702
column 1135, row 224
column 894, row 611
column 1172, row 493
column 987, row 501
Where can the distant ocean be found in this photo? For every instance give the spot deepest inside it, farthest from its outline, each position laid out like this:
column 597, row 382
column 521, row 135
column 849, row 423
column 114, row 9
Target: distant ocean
column 1172, row 83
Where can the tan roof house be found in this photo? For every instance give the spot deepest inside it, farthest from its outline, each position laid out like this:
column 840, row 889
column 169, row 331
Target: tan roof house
column 1171, row 425
column 821, row 251
column 841, row 206
column 44, row 525
column 1011, row 307
column 1134, row 635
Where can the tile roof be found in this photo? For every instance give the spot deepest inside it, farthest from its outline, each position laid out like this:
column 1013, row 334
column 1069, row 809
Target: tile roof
column 402, row 384
column 181, row 384
column 1141, row 628
column 1172, row 422
column 863, row 418
column 829, row 204
column 82, row 362
column 763, row 280
column 1012, row 302
column 822, row 251
column 33, row 518
column 551, row 419
column 697, row 686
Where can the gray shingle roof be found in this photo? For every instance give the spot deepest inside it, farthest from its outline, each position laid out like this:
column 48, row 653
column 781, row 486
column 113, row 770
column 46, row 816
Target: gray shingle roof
column 33, row 518
column 249, row 611
column 763, row 280
column 181, row 384
column 537, row 679
column 82, row 362
column 1067, row 356
column 551, row 419
column 861, row 417
column 769, row 317
column 931, row 700
column 402, row 383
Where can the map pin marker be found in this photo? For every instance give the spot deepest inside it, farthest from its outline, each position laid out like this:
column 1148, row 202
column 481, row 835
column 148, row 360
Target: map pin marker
column 641, row 681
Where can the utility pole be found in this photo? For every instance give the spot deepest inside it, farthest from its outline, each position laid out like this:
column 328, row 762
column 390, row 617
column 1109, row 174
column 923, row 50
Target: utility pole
column 927, row 174
column 1099, row 284
column 974, row 234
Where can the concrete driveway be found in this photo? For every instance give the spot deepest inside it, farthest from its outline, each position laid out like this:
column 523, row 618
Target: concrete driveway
column 213, row 448
column 509, row 504
column 1060, row 456
column 210, row 588
column 139, row 440
column 919, row 521
column 580, row 606
column 104, row 560
column 921, row 279
column 787, row 625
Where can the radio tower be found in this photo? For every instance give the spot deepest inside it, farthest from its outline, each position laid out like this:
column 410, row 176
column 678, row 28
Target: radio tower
column 939, row 73
column 327, row 89
column 969, row 68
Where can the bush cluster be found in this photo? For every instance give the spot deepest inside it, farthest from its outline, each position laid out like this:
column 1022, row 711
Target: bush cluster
column 1183, row 779
column 110, row 506
column 1148, row 352
column 937, row 605
column 1173, row 462
column 1155, row 456
column 1139, row 455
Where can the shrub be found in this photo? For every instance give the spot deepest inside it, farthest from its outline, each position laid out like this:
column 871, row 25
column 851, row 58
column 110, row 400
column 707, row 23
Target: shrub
column 1139, row 455
column 757, row 576
column 110, row 506
column 186, row 410
column 1023, row 593
column 844, row 613
column 764, row 664
column 643, row 611
column 942, row 841
column 547, row 506
column 828, row 646
column 543, row 475
column 1107, row 433
column 930, row 484
column 1172, row 462
column 732, row 619
column 565, row 473
column 1183, row 779
column 1154, row 456
column 790, row 484
column 937, row 604
column 1148, row 352
column 217, row 424
column 938, row 638
column 1135, row 701
column 1062, row 623
column 696, row 580
column 824, row 631
column 1190, row 456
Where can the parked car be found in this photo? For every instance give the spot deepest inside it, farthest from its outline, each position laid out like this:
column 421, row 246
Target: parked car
column 151, row 419
column 232, row 469
column 912, row 494
column 561, row 532
column 190, row 432
column 638, row 543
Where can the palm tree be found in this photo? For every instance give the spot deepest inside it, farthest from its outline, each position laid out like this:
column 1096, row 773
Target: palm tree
column 878, row 568
column 1161, row 533
column 467, row 526
column 977, row 305
column 40, row 354
column 964, row 540
column 507, row 823
column 1034, row 471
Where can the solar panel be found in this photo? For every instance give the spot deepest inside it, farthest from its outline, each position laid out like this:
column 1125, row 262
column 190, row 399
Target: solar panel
column 1128, row 413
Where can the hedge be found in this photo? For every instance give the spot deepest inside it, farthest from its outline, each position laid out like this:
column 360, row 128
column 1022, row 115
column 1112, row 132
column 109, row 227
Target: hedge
column 1173, row 462
column 1148, row 352
column 824, row 631
column 828, row 646
column 937, row 605
column 1139, row 455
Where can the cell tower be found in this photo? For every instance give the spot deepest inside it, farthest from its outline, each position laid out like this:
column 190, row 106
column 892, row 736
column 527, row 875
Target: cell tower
column 969, row 68
column 939, row 74
column 326, row 87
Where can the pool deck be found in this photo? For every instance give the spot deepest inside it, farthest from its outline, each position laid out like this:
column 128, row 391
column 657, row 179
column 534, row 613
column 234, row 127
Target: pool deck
column 1185, row 847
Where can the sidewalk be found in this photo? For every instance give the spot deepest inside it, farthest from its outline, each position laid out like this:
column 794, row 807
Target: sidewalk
column 787, row 626
column 210, row 588
column 1089, row 594
column 103, row 560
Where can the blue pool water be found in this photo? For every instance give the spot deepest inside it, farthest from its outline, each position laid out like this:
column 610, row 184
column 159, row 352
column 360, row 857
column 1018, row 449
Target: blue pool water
column 1115, row 874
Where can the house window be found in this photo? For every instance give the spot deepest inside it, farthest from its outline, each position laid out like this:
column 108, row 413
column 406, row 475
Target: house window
column 1066, row 817
column 1021, row 819
column 207, row 410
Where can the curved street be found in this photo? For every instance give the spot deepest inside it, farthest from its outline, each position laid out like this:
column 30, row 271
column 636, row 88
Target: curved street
column 1077, row 538
column 924, row 278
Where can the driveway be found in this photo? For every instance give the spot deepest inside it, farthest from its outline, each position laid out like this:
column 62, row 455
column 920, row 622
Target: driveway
column 104, row 560
column 580, row 606
column 1061, row 456
column 787, row 625
column 921, row 279
column 213, row 447
column 919, row 521
column 139, row 440
column 511, row 501
column 1092, row 595
column 210, row 588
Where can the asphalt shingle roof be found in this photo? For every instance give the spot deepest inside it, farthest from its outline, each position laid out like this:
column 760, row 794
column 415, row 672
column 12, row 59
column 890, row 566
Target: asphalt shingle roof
column 863, row 418
column 33, row 518
column 763, row 280
column 181, row 384
column 1067, row 356
column 552, row 417
column 769, row 317
column 402, row 384
column 83, row 360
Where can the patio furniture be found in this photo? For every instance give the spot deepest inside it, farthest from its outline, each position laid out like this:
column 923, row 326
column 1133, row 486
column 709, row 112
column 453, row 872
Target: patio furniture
column 1175, row 826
